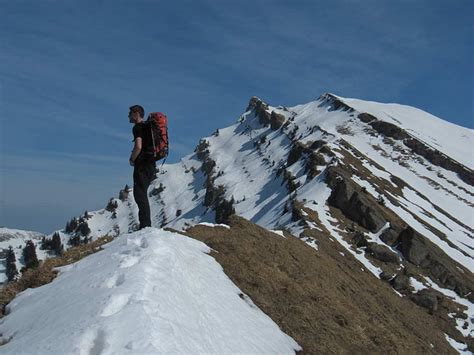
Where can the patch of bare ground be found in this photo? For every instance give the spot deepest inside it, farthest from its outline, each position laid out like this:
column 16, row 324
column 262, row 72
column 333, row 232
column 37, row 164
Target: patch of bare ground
column 320, row 298
column 45, row 272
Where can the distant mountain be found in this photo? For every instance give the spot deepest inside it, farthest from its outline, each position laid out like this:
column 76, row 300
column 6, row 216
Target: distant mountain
column 390, row 185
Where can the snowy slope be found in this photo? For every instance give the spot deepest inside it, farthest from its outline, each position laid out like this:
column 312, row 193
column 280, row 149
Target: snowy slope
column 453, row 140
column 17, row 239
column 151, row 291
column 7, row 234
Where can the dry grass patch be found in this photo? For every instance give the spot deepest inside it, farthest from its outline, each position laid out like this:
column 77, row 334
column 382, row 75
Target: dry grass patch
column 321, row 298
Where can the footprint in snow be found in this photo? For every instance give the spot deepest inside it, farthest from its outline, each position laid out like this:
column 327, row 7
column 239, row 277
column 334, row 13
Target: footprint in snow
column 129, row 261
column 93, row 342
column 115, row 281
column 115, row 304
column 144, row 243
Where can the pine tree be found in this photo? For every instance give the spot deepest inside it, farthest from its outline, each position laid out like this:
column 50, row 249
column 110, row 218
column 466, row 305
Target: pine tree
column 11, row 271
column 56, row 244
column 84, row 229
column 71, row 225
column 29, row 255
column 44, row 245
column 75, row 241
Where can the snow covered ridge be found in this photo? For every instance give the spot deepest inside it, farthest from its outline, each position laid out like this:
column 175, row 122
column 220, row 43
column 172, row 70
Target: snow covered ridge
column 9, row 234
column 453, row 140
column 164, row 284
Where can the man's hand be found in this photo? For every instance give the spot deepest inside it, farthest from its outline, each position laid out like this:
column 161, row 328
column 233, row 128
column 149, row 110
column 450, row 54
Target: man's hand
column 132, row 163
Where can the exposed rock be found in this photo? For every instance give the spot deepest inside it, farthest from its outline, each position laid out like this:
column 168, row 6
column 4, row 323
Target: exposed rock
column 254, row 103
column 421, row 252
column 386, row 276
column 413, row 249
column 397, row 181
column 297, row 211
column 317, row 144
column 260, row 108
column 389, row 129
column 326, row 150
column 292, row 184
column 401, row 282
column 335, row 102
column 360, row 239
column 382, row 253
column 295, row 153
column 390, row 235
column 426, row 298
column 276, row 120
column 358, row 207
column 366, row 117
column 315, row 160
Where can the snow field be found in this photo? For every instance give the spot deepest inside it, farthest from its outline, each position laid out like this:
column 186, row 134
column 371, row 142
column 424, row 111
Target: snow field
column 151, row 291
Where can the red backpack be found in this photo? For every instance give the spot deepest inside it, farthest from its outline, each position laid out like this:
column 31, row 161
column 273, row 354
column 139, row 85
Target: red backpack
column 159, row 134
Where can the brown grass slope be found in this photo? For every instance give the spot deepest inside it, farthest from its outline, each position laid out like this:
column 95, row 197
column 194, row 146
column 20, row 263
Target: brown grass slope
column 321, row 298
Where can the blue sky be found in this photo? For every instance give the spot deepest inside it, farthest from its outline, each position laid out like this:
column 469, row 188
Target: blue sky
column 69, row 70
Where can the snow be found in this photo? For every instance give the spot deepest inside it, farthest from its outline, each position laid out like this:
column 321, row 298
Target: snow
column 278, row 232
column 449, row 138
column 417, row 285
column 461, row 348
column 213, row 225
column 151, row 291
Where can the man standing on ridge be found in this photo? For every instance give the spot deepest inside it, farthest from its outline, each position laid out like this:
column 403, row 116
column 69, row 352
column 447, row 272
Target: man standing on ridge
column 144, row 165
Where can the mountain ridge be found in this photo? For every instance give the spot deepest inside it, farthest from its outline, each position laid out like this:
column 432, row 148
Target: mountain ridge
column 326, row 170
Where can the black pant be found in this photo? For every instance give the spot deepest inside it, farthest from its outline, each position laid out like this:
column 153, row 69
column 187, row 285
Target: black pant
column 143, row 175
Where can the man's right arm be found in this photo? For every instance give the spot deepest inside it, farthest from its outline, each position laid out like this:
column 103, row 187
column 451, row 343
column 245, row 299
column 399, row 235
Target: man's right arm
column 136, row 150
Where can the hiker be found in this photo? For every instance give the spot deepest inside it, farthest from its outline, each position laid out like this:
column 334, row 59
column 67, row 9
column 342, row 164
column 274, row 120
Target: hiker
column 144, row 164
